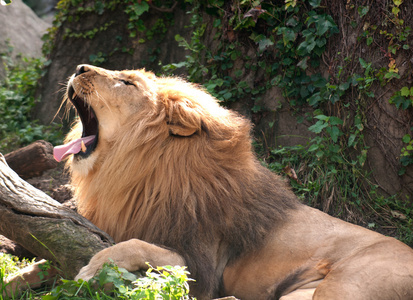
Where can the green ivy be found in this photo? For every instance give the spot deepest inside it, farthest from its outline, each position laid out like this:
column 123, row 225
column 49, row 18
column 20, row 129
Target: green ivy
column 406, row 156
column 403, row 98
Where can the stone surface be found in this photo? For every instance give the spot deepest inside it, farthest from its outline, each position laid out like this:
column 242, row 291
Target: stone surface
column 22, row 29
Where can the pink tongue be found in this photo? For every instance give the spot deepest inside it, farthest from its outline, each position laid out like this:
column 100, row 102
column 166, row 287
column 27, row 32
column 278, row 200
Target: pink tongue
column 61, row 152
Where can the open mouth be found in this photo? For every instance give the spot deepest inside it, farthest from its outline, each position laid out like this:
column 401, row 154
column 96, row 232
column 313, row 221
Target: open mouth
column 89, row 122
column 84, row 146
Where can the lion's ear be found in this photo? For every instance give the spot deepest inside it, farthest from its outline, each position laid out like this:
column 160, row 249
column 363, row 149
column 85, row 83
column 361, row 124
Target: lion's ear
column 183, row 117
column 181, row 130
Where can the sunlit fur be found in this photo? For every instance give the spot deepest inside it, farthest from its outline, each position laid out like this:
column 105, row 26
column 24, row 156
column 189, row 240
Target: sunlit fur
column 197, row 194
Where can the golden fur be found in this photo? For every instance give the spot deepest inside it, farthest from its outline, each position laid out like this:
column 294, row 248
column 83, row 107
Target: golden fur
column 174, row 169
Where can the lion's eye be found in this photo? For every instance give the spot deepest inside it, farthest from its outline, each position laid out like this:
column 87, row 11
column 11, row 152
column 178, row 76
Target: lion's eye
column 125, row 82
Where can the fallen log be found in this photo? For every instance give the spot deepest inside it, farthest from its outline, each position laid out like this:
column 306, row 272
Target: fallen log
column 32, row 160
column 45, row 227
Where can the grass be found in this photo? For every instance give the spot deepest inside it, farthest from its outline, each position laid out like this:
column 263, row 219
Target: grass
column 160, row 283
column 10, row 265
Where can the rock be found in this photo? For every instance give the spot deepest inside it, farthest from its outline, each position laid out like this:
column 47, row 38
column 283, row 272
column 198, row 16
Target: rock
column 10, row 247
column 21, row 29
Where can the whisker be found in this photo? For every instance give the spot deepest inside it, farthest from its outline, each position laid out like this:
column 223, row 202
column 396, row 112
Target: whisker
column 104, row 101
column 64, row 101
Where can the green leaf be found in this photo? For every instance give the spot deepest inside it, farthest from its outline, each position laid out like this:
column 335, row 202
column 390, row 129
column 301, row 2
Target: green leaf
column 369, row 40
column 390, row 75
column 140, row 8
column 324, row 24
column 303, row 63
column 290, row 3
column 227, row 95
column 307, row 46
column 363, row 10
column 179, row 38
column 315, row 3
column 405, row 91
column 351, row 140
column 292, row 22
column 322, row 117
column 276, row 80
column 406, row 139
column 99, row 7
column 363, row 63
column 395, row 10
column 400, row 101
column 334, row 149
column 313, row 147
column 318, row 127
column 287, row 61
column 314, row 99
column 335, row 121
column 319, row 154
column 264, row 43
column 334, row 133
column 288, row 34
column 401, row 171
column 344, row 86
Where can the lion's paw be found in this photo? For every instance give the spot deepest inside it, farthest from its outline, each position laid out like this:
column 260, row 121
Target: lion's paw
column 112, row 254
column 86, row 273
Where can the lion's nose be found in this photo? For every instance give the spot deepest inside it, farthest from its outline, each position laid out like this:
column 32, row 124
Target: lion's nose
column 82, row 69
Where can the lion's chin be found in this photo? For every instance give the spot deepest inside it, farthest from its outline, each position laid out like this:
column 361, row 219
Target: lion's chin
column 82, row 166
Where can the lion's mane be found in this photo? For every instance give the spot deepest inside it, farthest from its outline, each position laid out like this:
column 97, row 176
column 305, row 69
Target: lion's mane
column 185, row 192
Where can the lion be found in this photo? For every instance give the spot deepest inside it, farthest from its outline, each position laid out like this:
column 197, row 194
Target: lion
column 171, row 175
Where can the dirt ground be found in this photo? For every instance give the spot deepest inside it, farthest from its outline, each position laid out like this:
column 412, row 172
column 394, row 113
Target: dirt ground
column 54, row 183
